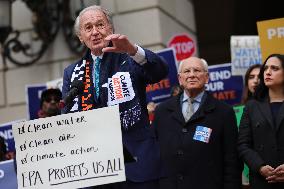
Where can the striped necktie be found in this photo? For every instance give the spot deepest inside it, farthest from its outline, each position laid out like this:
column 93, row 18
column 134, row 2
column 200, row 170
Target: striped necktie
column 189, row 111
column 96, row 75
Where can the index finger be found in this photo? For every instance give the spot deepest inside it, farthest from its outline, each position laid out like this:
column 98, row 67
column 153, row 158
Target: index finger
column 112, row 37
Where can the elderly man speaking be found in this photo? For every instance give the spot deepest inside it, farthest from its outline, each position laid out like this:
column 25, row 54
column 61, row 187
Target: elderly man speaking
column 112, row 54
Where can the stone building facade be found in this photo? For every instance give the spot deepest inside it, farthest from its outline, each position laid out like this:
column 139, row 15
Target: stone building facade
column 149, row 23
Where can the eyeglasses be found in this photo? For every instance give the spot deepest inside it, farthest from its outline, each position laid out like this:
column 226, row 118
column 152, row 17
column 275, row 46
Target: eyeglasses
column 195, row 71
column 98, row 26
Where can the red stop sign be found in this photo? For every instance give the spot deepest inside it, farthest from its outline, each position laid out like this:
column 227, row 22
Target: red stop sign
column 183, row 45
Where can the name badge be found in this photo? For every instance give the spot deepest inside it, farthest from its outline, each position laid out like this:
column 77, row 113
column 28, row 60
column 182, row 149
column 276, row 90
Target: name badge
column 202, row 134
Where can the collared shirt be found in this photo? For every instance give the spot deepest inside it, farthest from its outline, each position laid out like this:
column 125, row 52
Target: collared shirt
column 95, row 57
column 196, row 102
column 140, row 56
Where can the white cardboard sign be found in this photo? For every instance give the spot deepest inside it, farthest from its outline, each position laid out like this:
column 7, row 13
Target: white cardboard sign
column 73, row 150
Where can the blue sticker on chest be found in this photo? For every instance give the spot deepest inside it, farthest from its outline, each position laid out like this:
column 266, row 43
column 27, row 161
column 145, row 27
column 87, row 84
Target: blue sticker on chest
column 202, row 134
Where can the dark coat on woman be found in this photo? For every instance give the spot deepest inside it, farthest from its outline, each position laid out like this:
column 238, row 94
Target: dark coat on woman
column 261, row 142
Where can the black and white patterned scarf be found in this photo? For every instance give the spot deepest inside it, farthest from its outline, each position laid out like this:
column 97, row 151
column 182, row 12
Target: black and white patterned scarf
column 130, row 111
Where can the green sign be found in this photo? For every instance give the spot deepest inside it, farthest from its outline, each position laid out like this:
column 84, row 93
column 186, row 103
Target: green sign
column 239, row 112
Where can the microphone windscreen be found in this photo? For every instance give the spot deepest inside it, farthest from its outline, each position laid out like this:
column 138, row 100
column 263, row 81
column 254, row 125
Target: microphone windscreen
column 79, row 85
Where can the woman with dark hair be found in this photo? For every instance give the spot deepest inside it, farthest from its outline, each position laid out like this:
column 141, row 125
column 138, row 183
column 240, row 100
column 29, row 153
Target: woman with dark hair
column 251, row 82
column 261, row 134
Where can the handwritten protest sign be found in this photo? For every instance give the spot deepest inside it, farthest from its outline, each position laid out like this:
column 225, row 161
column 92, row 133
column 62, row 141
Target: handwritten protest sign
column 70, row 151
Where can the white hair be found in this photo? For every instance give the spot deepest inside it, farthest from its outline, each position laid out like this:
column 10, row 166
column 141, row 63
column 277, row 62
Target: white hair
column 203, row 61
column 205, row 65
column 93, row 8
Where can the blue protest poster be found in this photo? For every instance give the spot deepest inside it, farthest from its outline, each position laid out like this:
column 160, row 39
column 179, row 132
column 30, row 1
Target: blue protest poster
column 33, row 93
column 8, row 176
column 160, row 91
column 223, row 85
column 7, row 133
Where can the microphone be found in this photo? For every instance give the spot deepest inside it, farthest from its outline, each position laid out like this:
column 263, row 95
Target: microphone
column 77, row 88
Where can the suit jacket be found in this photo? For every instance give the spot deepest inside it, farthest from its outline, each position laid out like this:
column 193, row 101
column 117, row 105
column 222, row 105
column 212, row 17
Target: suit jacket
column 260, row 142
column 139, row 139
column 189, row 163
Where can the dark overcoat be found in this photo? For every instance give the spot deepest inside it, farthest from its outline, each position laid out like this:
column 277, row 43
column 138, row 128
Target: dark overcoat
column 190, row 163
